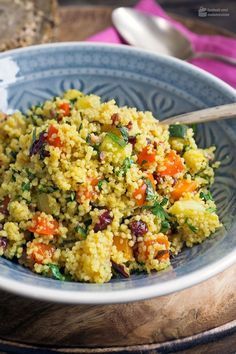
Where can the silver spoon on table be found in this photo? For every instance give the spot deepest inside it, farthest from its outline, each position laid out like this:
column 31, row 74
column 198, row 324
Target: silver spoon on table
column 157, row 34
column 227, row 111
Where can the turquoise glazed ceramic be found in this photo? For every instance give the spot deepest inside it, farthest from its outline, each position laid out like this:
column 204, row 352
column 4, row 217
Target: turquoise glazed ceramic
column 137, row 78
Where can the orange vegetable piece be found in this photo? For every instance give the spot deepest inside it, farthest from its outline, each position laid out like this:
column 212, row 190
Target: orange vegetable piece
column 53, row 138
column 182, row 187
column 123, row 247
column 41, row 251
column 85, row 192
column 147, row 156
column 140, row 194
column 65, row 107
column 163, row 240
column 43, row 226
column 172, row 163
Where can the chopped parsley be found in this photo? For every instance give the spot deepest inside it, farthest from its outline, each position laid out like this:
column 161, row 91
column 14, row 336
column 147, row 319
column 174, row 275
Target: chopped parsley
column 157, row 210
column 124, row 133
column 100, row 183
column 71, row 197
column 206, row 196
column 81, row 231
column 25, row 186
column 211, row 210
column 56, row 272
column 165, row 226
column 164, row 201
column 191, row 227
column 125, row 166
column 150, row 192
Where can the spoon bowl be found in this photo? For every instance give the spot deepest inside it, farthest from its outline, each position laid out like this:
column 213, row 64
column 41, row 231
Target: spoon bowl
column 151, row 32
column 157, row 34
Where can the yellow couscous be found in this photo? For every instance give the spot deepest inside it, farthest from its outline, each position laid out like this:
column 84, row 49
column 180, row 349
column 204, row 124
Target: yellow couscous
column 90, row 190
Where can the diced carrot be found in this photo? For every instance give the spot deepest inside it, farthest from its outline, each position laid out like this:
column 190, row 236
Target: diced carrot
column 87, row 193
column 123, row 246
column 152, row 180
column 147, row 156
column 140, row 195
column 53, row 138
column 40, row 251
column 183, row 186
column 43, row 226
column 172, row 165
column 65, row 107
column 163, row 240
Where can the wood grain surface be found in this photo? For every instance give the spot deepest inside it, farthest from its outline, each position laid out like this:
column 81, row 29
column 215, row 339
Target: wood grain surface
column 180, row 315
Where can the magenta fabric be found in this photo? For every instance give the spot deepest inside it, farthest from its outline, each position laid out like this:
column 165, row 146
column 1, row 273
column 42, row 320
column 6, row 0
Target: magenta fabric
column 201, row 43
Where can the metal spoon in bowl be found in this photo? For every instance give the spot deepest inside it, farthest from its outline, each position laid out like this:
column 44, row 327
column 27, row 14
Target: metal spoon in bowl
column 157, row 34
column 226, row 111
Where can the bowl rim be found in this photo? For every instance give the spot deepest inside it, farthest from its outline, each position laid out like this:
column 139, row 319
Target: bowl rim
column 127, row 295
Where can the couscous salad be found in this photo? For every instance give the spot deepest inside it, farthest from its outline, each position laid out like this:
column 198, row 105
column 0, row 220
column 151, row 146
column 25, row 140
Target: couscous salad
column 90, row 190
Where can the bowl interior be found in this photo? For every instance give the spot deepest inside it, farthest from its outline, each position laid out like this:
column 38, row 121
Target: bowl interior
column 134, row 78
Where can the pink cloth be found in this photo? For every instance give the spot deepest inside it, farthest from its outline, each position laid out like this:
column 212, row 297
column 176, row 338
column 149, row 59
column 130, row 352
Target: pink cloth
column 201, row 43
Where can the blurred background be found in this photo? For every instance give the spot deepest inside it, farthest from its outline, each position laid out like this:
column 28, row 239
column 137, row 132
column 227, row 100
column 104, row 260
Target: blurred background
column 27, row 22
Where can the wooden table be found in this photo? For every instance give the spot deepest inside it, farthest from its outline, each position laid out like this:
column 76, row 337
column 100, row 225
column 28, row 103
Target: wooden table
column 201, row 319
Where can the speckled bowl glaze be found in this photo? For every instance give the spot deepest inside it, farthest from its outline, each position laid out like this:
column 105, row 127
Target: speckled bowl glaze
column 133, row 77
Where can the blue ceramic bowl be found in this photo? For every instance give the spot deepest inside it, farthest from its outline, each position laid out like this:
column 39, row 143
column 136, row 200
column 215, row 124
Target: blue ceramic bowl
column 137, row 78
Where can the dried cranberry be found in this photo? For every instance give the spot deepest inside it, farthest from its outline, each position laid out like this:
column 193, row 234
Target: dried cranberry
column 175, row 180
column 157, row 177
column 104, row 220
column 115, row 118
column 155, row 145
column 138, row 228
column 38, row 146
column 4, row 206
column 132, row 140
column 3, row 242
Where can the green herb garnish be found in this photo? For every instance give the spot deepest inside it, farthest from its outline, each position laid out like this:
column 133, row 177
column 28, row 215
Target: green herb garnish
column 164, row 201
column 150, row 193
column 56, row 272
column 116, row 139
column 178, row 130
column 25, row 186
column 157, row 210
column 165, row 226
column 100, row 183
column 124, row 133
column 81, row 231
column 72, row 196
column 191, row 227
column 206, row 196
column 211, row 210
column 125, row 166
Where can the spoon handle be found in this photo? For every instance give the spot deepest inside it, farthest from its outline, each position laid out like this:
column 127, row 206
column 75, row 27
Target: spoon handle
column 226, row 111
column 224, row 59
